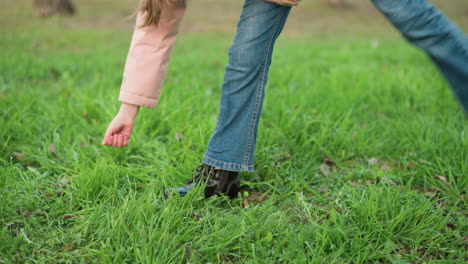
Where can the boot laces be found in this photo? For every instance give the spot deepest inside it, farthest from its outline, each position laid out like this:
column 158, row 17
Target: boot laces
column 202, row 171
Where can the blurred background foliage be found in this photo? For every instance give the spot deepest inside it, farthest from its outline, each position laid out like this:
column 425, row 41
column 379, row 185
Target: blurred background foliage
column 315, row 18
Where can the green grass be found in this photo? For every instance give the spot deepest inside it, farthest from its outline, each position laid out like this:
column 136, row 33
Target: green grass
column 351, row 143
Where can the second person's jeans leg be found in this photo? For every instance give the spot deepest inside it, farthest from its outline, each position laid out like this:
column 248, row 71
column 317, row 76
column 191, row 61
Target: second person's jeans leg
column 232, row 144
column 424, row 26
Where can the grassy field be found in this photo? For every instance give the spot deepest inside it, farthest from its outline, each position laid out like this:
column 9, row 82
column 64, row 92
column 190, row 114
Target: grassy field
column 361, row 158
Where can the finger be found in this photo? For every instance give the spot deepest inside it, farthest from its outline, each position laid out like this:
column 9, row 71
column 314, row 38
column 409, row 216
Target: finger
column 125, row 141
column 294, row 2
column 115, row 140
column 120, row 141
column 281, row 2
column 107, row 140
column 107, row 136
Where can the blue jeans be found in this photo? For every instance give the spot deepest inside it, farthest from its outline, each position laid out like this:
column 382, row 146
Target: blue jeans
column 233, row 142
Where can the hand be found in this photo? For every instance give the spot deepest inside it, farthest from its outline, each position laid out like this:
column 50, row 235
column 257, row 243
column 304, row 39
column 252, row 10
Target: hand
column 120, row 129
column 285, row 2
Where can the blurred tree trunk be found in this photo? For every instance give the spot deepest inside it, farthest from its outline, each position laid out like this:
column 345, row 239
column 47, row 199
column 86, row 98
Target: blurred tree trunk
column 53, row 7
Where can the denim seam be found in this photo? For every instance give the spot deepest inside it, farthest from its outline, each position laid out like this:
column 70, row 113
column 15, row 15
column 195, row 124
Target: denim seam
column 260, row 88
column 450, row 33
column 458, row 43
column 228, row 164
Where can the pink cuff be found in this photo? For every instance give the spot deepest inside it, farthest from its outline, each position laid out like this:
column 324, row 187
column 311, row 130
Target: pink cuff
column 139, row 100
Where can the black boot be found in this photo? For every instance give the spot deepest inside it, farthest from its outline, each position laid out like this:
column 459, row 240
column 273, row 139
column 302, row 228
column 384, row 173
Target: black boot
column 218, row 181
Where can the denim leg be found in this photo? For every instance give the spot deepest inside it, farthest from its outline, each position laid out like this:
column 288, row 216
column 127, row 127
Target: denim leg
column 232, row 144
column 427, row 28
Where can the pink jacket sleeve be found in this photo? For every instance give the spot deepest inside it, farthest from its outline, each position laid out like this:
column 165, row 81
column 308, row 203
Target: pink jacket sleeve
column 148, row 59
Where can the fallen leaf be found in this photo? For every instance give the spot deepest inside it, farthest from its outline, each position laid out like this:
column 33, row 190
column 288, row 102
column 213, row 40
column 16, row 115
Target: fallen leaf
column 285, row 156
column 372, row 161
column 39, row 212
column 389, row 181
column 245, row 204
column 370, row 181
column 443, row 179
column 187, row 252
column 197, row 216
column 411, row 165
column 18, row 155
column 451, row 226
column 431, row 193
column 325, row 169
column 64, row 181
column 52, row 149
column 68, row 247
column 323, row 190
column 23, row 212
column 68, row 217
column 329, row 162
column 256, row 197
column 385, row 168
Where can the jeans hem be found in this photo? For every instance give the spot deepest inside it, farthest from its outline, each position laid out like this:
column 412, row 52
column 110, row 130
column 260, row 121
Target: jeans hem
column 227, row 165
